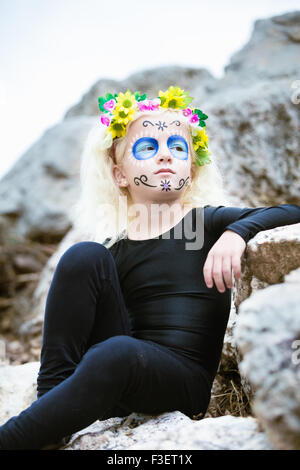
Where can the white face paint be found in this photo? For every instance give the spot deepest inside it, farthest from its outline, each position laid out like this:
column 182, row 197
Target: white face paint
column 154, row 143
column 145, row 145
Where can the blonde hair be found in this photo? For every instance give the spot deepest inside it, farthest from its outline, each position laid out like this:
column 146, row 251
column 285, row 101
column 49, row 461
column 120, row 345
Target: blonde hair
column 96, row 213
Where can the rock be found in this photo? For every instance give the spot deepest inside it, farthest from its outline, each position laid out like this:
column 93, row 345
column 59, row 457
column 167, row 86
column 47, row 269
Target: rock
column 270, row 256
column 170, row 430
column 17, row 388
column 253, row 136
column 230, row 394
column 272, row 52
column 36, row 194
column 267, row 333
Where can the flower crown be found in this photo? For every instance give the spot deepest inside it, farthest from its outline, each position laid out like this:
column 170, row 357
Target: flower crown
column 120, row 108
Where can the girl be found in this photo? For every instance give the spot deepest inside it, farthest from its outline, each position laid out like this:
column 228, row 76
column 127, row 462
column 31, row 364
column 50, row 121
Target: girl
column 135, row 317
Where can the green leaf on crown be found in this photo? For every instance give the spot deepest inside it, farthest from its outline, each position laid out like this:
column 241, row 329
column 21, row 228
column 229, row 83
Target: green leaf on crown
column 202, row 160
column 103, row 99
column 140, row 97
column 201, row 117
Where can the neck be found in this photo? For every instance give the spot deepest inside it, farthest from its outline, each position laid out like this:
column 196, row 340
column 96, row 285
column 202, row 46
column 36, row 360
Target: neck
column 153, row 218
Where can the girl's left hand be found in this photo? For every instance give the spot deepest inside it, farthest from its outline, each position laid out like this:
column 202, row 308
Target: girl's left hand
column 224, row 256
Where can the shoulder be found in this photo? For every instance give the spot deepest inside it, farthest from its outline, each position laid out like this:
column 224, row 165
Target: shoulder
column 210, row 215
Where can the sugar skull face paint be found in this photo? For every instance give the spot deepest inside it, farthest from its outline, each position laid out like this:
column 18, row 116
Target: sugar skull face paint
column 178, row 147
column 165, row 184
column 144, row 148
column 149, row 143
column 157, row 159
column 147, row 147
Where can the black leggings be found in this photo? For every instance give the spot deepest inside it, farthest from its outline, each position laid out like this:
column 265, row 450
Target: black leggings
column 91, row 366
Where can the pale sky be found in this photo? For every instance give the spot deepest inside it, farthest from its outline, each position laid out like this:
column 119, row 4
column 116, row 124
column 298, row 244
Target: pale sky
column 53, row 51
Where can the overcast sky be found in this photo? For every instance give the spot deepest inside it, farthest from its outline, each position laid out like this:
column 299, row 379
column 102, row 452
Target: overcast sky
column 53, row 51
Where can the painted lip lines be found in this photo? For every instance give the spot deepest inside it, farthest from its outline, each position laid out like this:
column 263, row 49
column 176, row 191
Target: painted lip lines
column 164, row 170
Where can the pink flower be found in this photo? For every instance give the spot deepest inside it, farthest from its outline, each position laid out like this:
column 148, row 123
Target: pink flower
column 187, row 112
column 105, row 120
column 155, row 103
column 143, row 105
column 194, row 118
column 109, row 105
column 149, row 105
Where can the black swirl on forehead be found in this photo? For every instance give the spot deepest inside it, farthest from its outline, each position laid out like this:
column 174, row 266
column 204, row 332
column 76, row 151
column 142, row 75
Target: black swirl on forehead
column 145, row 123
column 160, row 124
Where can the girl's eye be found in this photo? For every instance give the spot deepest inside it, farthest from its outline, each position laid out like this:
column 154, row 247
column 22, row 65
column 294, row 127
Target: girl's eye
column 144, row 148
column 178, row 147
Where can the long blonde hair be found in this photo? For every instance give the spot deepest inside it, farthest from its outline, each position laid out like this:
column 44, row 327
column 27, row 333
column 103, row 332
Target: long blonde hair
column 96, row 213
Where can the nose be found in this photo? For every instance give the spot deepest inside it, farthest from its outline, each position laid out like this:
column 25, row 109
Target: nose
column 164, row 154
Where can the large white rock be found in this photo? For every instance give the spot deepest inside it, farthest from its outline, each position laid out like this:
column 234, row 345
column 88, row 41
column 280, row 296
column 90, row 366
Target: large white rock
column 171, row 430
column 17, row 388
column 267, row 333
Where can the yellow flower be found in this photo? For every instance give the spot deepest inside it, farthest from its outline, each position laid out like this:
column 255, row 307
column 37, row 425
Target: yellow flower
column 204, row 138
column 116, row 129
column 127, row 100
column 196, row 145
column 200, row 140
column 123, row 115
column 172, row 98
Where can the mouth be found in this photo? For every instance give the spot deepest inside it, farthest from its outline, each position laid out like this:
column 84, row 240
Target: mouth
column 164, row 170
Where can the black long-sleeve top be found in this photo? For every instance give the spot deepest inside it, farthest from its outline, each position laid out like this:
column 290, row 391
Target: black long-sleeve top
column 164, row 288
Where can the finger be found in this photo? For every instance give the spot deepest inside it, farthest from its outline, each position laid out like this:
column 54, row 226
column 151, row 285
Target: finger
column 207, row 270
column 217, row 273
column 236, row 266
column 226, row 269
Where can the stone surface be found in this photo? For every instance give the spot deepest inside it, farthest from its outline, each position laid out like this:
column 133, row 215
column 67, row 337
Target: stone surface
column 269, row 256
column 17, row 388
column 36, row 194
column 272, row 52
column 253, row 134
column 171, row 430
column 267, row 333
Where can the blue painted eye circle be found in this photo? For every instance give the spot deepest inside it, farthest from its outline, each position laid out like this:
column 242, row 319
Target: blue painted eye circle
column 144, row 148
column 178, row 147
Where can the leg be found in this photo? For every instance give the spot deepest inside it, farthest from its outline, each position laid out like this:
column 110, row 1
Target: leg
column 120, row 370
column 84, row 306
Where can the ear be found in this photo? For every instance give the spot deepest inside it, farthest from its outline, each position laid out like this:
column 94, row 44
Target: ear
column 119, row 177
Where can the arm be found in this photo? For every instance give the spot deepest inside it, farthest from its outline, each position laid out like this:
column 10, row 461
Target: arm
column 238, row 226
column 247, row 221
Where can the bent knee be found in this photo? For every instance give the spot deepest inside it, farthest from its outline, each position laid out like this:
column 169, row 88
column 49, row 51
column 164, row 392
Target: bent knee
column 119, row 350
column 82, row 255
